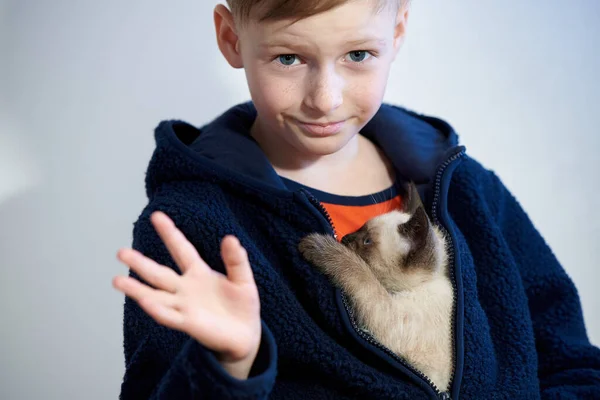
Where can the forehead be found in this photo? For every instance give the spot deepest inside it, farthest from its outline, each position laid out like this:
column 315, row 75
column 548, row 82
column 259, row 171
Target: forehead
column 353, row 21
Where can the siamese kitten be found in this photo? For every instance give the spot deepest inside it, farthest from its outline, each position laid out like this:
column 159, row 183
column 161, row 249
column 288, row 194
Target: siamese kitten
column 394, row 270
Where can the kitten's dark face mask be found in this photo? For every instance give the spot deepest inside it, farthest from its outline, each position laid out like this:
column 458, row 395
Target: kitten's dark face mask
column 358, row 239
column 362, row 243
column 398, row 245
column 415, row 230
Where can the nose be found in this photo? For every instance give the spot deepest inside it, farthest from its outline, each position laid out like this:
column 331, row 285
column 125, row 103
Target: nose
column 346, row 240
column 325, row 92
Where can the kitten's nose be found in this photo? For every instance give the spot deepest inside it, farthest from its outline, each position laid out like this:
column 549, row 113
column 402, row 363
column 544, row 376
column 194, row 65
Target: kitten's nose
column 347, row 239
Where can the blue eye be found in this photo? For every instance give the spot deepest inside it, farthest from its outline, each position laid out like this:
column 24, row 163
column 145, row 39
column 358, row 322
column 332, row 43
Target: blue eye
column 367, row 241
column 358, row 56
column 287, row 59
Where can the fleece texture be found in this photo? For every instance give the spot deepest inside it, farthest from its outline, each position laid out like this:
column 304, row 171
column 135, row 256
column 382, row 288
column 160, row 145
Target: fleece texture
column 518, row 326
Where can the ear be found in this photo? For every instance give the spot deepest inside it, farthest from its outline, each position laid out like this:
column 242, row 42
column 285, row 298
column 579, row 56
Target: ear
column 227, row 36
column 411, row 200
column 417, row 228
column 400, row 27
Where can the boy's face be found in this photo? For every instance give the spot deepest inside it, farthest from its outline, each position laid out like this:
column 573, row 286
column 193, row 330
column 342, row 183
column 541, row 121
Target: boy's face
column 317, row 82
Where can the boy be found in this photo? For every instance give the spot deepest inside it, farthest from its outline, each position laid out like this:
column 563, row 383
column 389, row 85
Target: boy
column 317, row 151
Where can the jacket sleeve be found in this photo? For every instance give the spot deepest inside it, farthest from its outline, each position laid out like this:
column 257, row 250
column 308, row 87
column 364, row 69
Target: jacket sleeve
column 568, row 364
column 161, row 363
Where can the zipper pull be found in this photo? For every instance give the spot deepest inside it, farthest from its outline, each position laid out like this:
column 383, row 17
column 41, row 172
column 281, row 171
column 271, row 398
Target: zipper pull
column 445, row 396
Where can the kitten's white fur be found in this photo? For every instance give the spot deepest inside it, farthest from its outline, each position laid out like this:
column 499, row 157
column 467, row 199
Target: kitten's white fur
column 406, row 309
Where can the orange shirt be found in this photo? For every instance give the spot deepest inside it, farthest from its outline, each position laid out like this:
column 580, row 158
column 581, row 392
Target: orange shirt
column 349, row 218
column 349, row 213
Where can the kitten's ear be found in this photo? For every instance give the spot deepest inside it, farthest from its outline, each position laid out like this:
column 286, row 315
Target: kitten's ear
column 416, row 229
column 411, row 200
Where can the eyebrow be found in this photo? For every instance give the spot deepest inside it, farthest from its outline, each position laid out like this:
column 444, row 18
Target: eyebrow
column 359, row 42
column 352, row 43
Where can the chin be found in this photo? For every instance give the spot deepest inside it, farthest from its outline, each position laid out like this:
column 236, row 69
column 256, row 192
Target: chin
column 325, row 146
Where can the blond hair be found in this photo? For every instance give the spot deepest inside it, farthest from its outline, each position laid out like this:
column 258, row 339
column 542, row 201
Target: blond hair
column 270, row 10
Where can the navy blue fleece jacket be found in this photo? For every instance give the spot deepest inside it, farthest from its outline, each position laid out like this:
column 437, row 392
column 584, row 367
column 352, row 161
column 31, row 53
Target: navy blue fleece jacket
column 518, row 327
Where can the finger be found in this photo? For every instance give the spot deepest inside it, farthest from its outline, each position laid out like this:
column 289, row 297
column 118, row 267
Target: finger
column 236, row 261
column 183, row 252
column 133, row 288
column 157, row 275
column 164, row 315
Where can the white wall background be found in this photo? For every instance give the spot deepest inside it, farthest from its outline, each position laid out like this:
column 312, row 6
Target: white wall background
column 83, row 84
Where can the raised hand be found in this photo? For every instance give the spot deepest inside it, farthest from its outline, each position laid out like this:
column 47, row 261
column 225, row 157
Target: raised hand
column 220, row 311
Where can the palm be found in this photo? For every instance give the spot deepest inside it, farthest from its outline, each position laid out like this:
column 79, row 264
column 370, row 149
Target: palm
column 214, row 308
column 220, row 311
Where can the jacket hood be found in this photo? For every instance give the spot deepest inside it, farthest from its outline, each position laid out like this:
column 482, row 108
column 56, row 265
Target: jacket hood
column 223, row 149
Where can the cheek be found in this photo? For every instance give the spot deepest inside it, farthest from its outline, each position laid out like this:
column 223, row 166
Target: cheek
column 271, row 92
column 366, row 92
column 366, row 252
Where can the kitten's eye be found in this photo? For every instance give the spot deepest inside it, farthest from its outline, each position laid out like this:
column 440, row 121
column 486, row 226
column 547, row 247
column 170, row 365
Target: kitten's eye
column 367, row 241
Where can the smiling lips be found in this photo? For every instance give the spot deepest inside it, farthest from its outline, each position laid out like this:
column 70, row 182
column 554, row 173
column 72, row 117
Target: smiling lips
column 322, row 129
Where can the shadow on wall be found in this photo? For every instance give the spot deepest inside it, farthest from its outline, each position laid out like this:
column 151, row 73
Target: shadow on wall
column 19, row 170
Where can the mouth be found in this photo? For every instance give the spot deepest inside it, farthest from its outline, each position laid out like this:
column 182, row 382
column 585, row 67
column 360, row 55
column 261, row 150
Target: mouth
column 322, row 128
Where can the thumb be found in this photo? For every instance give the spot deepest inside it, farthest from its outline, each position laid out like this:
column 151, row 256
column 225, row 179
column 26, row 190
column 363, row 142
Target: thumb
column 236, row 261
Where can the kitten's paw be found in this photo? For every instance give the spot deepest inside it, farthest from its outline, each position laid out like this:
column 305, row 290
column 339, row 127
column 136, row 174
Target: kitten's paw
column 311, row 246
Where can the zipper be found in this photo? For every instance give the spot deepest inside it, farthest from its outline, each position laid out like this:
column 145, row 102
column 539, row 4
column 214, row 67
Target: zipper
column 322, row 209
column 367, row 336
column 451, row 256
